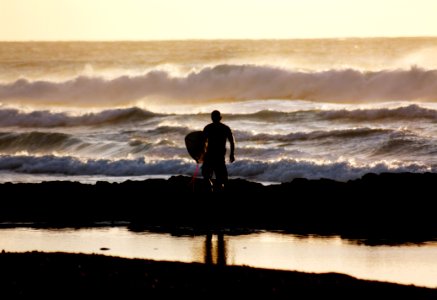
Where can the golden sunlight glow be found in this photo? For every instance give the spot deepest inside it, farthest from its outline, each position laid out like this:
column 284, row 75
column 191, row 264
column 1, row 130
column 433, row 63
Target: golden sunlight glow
column 213, row 19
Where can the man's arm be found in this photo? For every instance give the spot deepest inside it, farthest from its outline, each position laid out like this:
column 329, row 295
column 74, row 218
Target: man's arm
column 232, row 144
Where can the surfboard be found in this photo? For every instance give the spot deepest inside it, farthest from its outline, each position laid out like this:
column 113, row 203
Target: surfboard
column 196, row 145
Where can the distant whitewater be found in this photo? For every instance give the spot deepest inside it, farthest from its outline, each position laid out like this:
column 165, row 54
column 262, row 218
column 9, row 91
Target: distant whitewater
column 114, row 111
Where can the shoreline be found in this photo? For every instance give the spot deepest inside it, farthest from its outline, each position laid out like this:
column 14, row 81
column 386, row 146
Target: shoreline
column 386, row 208
column 38, row 273
column 393, row 206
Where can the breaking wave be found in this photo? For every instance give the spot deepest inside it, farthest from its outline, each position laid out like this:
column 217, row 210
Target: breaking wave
column 409, row 112
column 231, row 82
column 35, row 141
column 316, row 135
column 45, row 118
column 277, row 171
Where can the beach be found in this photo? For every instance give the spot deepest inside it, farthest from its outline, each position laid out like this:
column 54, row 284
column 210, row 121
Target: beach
column 40, row 274
column 377, row 209
column 334, row 137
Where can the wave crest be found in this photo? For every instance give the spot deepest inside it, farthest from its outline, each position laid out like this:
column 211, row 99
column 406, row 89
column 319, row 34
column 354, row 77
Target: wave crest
column 35, row 141
column 45, row 118
column 231, row 82
column 409, row 112
column 341, row 134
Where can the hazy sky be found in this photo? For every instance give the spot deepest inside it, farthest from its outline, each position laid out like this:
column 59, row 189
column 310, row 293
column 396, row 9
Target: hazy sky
column 212, row 19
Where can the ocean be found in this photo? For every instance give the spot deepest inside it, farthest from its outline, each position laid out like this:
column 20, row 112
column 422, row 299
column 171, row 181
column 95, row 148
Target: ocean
column 320, row 108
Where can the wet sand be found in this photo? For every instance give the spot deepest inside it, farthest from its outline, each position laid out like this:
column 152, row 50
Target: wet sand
column 35, row 274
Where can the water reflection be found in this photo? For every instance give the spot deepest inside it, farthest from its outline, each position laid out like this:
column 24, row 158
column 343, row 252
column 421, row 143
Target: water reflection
column 215, row 251
column 408, row 264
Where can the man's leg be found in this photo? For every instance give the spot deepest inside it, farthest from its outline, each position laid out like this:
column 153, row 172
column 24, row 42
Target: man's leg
column 221, row 175
column 207, row 174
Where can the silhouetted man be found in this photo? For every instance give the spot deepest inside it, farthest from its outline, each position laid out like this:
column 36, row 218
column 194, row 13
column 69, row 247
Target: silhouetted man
column 216, row 135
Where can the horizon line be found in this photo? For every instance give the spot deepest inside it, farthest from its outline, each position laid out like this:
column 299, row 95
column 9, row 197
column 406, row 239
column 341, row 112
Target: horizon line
column 218, row 39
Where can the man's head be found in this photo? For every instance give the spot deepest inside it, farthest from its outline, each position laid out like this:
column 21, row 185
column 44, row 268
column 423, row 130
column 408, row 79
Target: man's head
column 216, row 116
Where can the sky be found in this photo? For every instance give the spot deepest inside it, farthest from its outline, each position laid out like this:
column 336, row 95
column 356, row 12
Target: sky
column 214, row 19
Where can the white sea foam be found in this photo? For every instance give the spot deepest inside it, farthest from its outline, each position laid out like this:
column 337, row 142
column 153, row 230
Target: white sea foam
column 275, row 171
column 230, row 83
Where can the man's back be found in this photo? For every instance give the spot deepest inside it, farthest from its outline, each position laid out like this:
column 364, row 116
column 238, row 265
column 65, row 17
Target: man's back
column 217, row 133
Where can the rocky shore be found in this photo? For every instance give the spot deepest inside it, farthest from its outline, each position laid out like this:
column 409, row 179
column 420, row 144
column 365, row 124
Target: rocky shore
column 393, row 206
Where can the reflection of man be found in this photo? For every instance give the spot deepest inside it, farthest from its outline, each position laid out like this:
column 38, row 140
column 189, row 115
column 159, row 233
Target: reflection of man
column 220, row 250
column 217, row 134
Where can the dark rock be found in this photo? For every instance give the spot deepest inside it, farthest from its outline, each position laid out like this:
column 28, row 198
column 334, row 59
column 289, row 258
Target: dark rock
column 398, row 206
